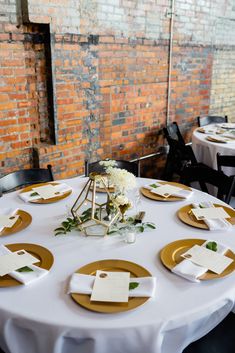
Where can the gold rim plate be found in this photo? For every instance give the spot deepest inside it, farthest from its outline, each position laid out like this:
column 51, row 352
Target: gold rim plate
column 111, row 189
column 22, row 222
column 171, row 255
column 115, row 266
column 186, row 216
column 212, row 139
column 45, row 260
column 52, row 199
column 147, row 193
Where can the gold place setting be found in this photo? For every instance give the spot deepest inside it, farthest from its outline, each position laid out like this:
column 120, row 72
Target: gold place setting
column 23, row 263
column 13, row 221
column 122, row 286
column 166, row 191
column 45, row 193
column 208, row 216
column 198, row 259
column 219, row 133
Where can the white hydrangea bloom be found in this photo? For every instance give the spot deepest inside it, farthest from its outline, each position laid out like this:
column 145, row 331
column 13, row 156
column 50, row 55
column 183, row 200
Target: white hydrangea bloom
column 121, row 200
column 122, row 179
column 108, row 163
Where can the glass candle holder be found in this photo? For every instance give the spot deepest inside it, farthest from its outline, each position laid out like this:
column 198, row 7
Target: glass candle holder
column 130, row 235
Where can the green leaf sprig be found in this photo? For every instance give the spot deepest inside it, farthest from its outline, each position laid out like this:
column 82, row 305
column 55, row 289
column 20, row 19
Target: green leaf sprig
column 73, row 223
column 154, row 186
column 67, row 226
column 130, row 221
column 133, row 285
column 34, row 194
column 212, row 245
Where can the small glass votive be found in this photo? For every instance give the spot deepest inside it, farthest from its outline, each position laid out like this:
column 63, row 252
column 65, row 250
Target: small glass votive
column 130, row 235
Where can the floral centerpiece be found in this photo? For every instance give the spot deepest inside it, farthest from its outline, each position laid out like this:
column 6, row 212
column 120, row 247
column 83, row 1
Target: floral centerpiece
column 123, row 181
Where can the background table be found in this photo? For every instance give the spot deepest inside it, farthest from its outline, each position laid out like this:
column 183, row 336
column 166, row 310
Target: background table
column 42, row 318
column 206, row 151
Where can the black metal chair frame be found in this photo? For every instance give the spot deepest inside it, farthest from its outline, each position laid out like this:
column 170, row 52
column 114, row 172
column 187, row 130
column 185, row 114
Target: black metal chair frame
column 180, row 153
column 132, row 167
column 25, row 177
column 206, row 175
column 225, row 161
column 211, row 119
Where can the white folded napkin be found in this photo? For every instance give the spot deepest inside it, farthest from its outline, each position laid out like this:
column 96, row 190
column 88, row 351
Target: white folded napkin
column 191, row 271
column 62, row 188
column 214, row 224
column 185, row 194
column 25, row 277
column 83, row 284
column 8, row 211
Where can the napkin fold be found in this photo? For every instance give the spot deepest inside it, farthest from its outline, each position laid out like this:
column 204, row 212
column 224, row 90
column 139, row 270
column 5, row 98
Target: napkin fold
column 25, row 277
column 214, row 224
column 185, row 194
column 26, row 196
column 191, row 271
column 83, row 284
column 8, row 211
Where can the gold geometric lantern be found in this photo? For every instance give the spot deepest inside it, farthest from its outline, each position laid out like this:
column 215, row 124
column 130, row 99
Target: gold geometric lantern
column 95, row 212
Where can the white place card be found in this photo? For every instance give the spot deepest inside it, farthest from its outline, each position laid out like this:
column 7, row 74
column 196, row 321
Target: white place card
column 210, row 213
column 166, row 190
column 15, row 260
column 8, row 221
column 209, row 259
column 111, row 287
column 46, row 191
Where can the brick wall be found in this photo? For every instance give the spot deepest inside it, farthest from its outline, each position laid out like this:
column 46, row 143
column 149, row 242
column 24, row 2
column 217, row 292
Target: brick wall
column 101, row 90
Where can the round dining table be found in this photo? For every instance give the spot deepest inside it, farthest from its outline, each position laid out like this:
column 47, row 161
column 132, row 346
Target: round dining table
column 206, row 151
column 43, row 318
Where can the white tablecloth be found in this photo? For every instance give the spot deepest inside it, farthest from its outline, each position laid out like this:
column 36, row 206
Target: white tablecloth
column 206, row 151
column 42, row 318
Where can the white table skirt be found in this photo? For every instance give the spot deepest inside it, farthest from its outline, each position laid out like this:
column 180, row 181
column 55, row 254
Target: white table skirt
column 42, row 318
column 206, row 151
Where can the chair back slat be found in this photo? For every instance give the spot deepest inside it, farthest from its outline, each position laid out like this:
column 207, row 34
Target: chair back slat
column 211, row 119
column 132, row 167
column 206, row 175
column 25, row 177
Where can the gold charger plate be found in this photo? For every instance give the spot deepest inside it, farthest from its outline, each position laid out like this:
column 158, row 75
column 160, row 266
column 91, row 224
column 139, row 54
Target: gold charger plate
column 52, row 199
column 114, row 266
column 171, row 255
column 211, row 139
column 147, row 193
column 45, row 260
column 22, row 222
column 186, row 216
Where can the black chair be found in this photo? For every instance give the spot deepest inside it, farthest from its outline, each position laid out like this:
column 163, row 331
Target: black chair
column 25, row 177
column 211, row 119
column 219, row 340
column 172, row 131
column 225, row 161
column 132, row 167
column 180, row 154
column 206, row 175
